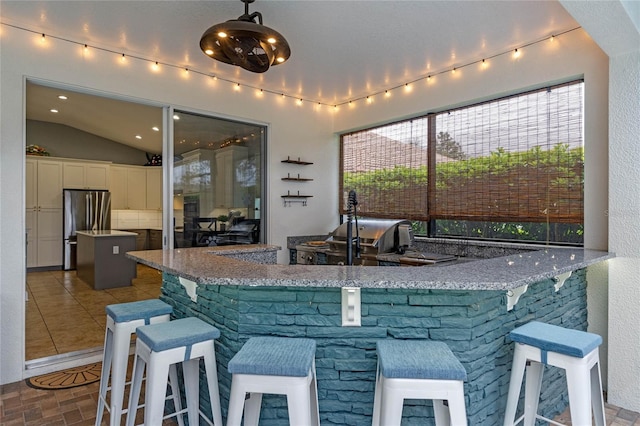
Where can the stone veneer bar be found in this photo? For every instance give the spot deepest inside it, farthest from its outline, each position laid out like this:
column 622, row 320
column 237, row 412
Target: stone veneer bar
column 241, row 291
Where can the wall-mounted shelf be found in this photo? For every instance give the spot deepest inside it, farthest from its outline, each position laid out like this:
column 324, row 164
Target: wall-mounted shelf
column 298, row 161
column 296, row 179
column 290, row 198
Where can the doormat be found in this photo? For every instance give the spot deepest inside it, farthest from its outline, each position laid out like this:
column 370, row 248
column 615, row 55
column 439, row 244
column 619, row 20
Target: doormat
column 69, row 378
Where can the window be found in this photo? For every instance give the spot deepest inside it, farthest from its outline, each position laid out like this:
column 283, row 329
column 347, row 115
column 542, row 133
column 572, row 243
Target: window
column 511, row 168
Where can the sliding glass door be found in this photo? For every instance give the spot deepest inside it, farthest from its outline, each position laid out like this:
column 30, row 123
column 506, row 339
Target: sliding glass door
column 217, row 180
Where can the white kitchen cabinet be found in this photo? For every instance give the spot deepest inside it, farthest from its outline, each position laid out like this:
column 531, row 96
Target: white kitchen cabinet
column 43, row 212
column 154, row 188
column 43, row 183
column 228, row 189
column 86, row 175
column 128, row 187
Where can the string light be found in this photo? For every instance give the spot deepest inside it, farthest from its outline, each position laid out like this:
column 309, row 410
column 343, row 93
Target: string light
column 155, row 66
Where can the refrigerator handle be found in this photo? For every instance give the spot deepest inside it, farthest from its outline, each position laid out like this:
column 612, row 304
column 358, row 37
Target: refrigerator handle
column 88, row 212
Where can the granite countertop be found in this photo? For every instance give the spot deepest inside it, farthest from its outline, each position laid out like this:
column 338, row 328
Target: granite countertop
column 107, row 233
column 215, row 265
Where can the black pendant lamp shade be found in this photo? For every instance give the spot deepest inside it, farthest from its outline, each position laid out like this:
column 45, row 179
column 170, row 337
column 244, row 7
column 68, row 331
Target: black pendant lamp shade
column 245, row 42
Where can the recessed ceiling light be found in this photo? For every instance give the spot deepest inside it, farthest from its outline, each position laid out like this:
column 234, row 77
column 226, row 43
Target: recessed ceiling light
column 155, row 128
column 55, row 111
column 138, row 137
column 63, row 97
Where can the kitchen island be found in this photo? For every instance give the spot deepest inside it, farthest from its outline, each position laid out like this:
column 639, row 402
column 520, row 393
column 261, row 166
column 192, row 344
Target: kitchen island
column 470, row 306
column 101, row 260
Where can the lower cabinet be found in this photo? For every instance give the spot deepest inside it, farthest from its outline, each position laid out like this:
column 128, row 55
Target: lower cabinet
column 147, row 239
column 44, row 237
column 155, row 239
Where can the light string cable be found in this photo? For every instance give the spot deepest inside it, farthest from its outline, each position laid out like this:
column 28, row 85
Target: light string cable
column 298, row 99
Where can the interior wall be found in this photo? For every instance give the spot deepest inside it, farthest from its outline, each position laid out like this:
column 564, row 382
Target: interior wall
column 295, row 131
column 67, row 142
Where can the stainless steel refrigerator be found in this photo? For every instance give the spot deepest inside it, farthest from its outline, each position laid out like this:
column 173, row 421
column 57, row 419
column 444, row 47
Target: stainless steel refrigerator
column 83, row 210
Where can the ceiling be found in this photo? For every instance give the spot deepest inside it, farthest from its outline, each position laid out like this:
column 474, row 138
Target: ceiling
column 341, row 50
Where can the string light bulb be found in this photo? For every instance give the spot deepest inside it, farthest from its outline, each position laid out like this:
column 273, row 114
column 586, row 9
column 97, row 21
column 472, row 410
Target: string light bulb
column 516, row 53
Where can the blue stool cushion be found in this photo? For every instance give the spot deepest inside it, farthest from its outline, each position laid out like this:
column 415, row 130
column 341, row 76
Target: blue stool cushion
column 418, row 359
column 552, row 338
column 175, row 334
column 274, row 356
column 144, row 309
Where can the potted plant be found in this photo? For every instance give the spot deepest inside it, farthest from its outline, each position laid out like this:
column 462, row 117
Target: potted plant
column 222, row 219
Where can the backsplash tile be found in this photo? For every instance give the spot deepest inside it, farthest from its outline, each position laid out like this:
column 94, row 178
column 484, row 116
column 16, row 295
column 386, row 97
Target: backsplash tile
column 136, row 219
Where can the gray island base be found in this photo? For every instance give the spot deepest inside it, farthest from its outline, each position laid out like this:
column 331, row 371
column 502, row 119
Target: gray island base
column 101, row 258
column 471, row 307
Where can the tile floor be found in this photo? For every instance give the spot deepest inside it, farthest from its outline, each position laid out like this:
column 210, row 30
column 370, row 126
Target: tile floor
column 64, row 314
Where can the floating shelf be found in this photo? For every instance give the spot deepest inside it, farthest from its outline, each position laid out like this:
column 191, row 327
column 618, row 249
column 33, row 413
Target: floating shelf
column 298, row 161
column 296, row 179
column 289, row 198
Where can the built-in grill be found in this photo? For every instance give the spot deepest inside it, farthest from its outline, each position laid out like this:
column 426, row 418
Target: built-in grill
column 381, row 242
column 370, row 237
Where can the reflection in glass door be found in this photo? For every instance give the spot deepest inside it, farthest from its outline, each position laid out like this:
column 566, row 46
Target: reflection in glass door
column 217, row 181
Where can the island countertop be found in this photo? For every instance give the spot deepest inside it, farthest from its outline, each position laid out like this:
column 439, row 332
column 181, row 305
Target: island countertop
column 226, row 265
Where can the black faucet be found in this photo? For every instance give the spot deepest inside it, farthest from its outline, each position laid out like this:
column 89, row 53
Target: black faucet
column 352, row 212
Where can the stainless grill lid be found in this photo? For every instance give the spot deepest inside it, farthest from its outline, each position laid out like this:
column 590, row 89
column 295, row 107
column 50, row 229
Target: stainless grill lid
column 379, row 233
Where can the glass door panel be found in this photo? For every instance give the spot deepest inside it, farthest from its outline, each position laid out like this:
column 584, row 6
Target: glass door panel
column 217, row 180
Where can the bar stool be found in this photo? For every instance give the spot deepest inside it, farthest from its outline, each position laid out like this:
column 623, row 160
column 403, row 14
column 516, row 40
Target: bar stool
column 418, row 369
column 158, row 348
column 122, row 321
column 275, row 365
column 539, row 344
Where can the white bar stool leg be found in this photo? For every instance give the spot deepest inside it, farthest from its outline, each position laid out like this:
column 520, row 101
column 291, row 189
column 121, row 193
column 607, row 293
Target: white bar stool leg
column 252, row 409
column 457, row 410
column 441, row 413
column 139, row 365
column 299, row 405
column 532, row 388
column 392, row 403
column 515, row 384
column 579, row 395
column 212, row 382
column 377, row 399
column 155, row 391
column 191, row 371
column 236, row 403
column 104, row 374
column 596, row 395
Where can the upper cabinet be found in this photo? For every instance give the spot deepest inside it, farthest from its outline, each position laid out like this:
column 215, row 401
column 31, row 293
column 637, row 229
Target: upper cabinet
column 43, row 183
column 154, row 188
column 136, row 188
column 86, row 175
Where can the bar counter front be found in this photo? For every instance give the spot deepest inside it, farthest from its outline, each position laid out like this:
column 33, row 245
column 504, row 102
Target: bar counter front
column 470, row 306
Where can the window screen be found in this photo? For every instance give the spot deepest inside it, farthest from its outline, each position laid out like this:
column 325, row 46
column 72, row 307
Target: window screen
column 514, row 159
column 387, row 167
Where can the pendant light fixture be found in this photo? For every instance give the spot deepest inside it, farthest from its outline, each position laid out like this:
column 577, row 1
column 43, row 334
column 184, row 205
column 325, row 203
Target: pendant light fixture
column 245, row 42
